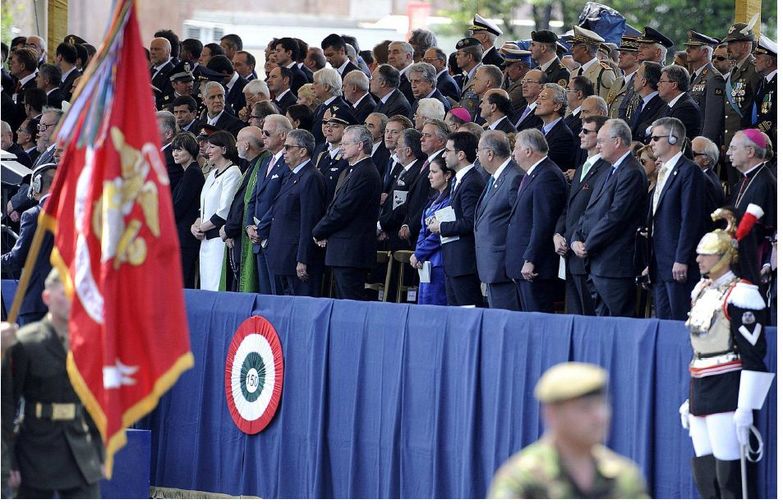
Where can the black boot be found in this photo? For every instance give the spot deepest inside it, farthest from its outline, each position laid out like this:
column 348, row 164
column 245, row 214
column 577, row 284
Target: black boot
column 729, row 478
column 705, row 476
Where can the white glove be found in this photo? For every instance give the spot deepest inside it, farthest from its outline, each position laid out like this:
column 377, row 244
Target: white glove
column 684, row 415
column 743, row 419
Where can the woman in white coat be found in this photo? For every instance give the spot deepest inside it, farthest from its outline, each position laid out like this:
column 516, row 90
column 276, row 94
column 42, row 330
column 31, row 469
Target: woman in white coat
column 216, row 197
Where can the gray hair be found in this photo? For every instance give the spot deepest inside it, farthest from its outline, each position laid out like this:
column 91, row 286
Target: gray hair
column 431, row 108
column 533, row 139
column 493, row 73
column 663, row 51
column 357, row 78
column 758, row 152
column 619, row 129
column 442, row 130
column 363, row 135
column 710, row 150
column 279, row 122
column 212, row 85
column 383, row 117
column 330, row 78
column 679, row 75
column 167, row 121
column 5, row 127
column 473, row 51
column 559, row 95
column 674, row 127
column 600, row 104
column 404, row 45
column 257, row 87
column 303, row 138
column 497, row 142
column 427, row 72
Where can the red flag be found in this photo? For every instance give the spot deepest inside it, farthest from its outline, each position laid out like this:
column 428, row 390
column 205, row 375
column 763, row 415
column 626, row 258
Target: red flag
column 116, row 246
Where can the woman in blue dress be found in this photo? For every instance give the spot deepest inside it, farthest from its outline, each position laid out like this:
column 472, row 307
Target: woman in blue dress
column 428, row 246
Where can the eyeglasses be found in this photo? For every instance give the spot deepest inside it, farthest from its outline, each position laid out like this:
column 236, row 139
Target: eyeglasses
column 719, row 58
column 289, row 147
column 699, row 154
column 587, row 131
column 43, row 126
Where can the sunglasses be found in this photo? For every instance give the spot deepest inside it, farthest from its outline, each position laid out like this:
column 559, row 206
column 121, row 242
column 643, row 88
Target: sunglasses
column 587, row 131
column 719, row 58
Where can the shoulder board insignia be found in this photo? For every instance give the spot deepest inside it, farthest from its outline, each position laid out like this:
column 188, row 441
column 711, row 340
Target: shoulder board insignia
column 606, row 65
column 746, row 295
column 718, row 92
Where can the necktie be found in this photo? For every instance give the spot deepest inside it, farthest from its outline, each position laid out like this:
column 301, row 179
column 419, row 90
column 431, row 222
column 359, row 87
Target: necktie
column 661, row 180
column 693, row 78
column 425, row 166
column 581, row 71
column 488, row 189
column 585, row 168
column 637, row 113
column 523, row 184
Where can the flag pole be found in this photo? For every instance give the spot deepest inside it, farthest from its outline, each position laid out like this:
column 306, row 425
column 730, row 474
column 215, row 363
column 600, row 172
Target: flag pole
column 27, row 270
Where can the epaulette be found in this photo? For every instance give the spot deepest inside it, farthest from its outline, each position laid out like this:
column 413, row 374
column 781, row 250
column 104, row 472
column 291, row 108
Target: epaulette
column 746, row 295
column 606, row 65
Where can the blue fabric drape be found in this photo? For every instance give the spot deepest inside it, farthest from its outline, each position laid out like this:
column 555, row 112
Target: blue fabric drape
column 386, row 400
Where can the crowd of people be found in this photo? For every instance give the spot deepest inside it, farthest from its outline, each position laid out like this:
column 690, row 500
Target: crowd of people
column 550, row 174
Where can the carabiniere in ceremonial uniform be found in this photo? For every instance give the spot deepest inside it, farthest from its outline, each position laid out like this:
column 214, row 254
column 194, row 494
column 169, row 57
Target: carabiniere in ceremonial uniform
column 728, row 376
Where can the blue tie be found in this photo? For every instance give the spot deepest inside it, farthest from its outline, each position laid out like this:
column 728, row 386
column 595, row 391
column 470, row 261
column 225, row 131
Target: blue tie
column 487, row 189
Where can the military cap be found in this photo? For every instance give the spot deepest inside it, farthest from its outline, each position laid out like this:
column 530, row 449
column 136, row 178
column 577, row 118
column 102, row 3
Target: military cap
column 341, row 115
column 767, row 46
column 696, row 39
column 210, row 75
column 562, row 47
column 544, row 36
column 585, row 36
column 467, row 42
column 208, row 129
column 653, row 36
column 569, row 380
column 74, row 39
column 629, row 44
column 607, row 48
column 481, row 24
column 742, row 32
column 182, row 71
column 511, row 52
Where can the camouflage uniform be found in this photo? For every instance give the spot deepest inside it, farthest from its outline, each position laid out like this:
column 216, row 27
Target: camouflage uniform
column 536, row 473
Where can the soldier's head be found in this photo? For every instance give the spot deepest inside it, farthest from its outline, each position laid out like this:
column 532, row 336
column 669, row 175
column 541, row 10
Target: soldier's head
column 717, row 250
column 55, row 297
column 766, row 56
column 574, row 403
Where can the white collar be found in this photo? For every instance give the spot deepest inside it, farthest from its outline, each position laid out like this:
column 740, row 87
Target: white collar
column 724, row 279
column 617, row 163
column 277, row 98
column 375, row 147
column 590, row 63
column 545, row 66
column 629, row 76
column 300, row 166
column 408, row 166
column 440, row 73
column 646, row 99
column 233, row 80
column 698, row 70
column 434, row 155
column 405, row 70
column 385, row 98
column 671, row 163
column 462, row 172
column 576, row 111
column 342, row 67
column 495, row 124
column 360, row 100
column 65, row 75
column 25, row 80
column 333, row 150
column 675, row 100
column 158, row 67
column 212, row 121
column 771, row 75
column 501, row 168
column 330, row 100
column 164, row 147
column 530, row 170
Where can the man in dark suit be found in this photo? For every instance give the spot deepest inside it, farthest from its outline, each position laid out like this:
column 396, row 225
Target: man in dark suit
column 376, row 123
column 434, row 135
column 57, row 447
column 486, row 32
column 384, row 84
column 532, row 85
column 328, row 156
column 495, row 108
column 349, row 226
column 48, row 79
column 423, row 82
column 579, row 88
column 33, row 308
column 269, row 180
column 550, row 107
column 216, row 114
column 757, row 185
column 606, row 231
column 65, row 59
column 401, row 58
column 675, row 220
column 531, row 262
column 293, row 256
column 279, row 82
column 579, row 298
column 327, row 85
column 22, row 65
column 706, row 155
column 356, row 91
column 446, row 84
column 334, row 52
column 463, row 287
column 645, row 84
column 493, row 212
column 234, row 84
column 673, row 89
column 160, row 59
column 286, row 54
column 167, row 128
column 395, row 206
column 543, row 48
column 8, row 145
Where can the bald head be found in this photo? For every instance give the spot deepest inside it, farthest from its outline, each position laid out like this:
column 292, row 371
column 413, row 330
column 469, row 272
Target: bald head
column 160, row 51
column 594, row 105
column 37, row 44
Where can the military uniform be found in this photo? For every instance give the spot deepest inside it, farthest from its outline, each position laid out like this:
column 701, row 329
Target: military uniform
column 765, row 107
column 600, row 73
column 537, row 473
column 698, row 83
column 57, row 447
column 622, row 99
column 512, row 53
column 727, row 369
column 556, row 72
